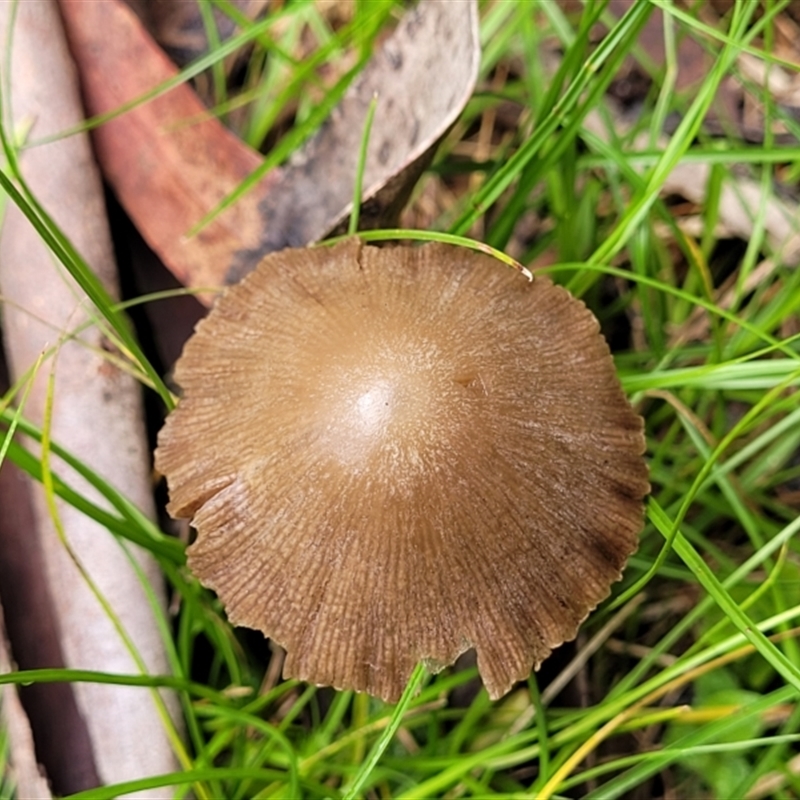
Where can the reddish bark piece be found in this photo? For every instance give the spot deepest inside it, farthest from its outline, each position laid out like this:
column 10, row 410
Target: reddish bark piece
column 169, row 169
column 168, row 162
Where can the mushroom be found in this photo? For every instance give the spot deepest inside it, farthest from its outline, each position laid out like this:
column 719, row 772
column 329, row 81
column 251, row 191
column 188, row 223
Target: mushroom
column 393, row 455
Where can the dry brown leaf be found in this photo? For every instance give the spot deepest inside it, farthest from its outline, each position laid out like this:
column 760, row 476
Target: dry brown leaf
column 167, row 168
column 738, row 207
column 97, row 411
column 422, row 77
column 168, row 174
column 735, row 106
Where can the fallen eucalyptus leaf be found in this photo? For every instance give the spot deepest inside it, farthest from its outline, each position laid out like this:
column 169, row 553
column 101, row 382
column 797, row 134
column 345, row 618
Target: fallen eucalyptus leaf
column 171, row 165
column 167, row 160
column 422, row 77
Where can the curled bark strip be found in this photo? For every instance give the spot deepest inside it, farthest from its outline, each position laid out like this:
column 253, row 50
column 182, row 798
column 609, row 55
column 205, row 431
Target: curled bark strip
column 97, row 411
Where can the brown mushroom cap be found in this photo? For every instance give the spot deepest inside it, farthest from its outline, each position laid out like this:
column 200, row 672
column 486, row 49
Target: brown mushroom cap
column 393, row 455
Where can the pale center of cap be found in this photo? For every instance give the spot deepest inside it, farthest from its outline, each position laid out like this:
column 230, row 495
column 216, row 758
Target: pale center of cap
column 387, row 408
column 373, row 408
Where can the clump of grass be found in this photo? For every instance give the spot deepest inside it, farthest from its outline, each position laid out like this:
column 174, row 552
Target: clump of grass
column 687, row 680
